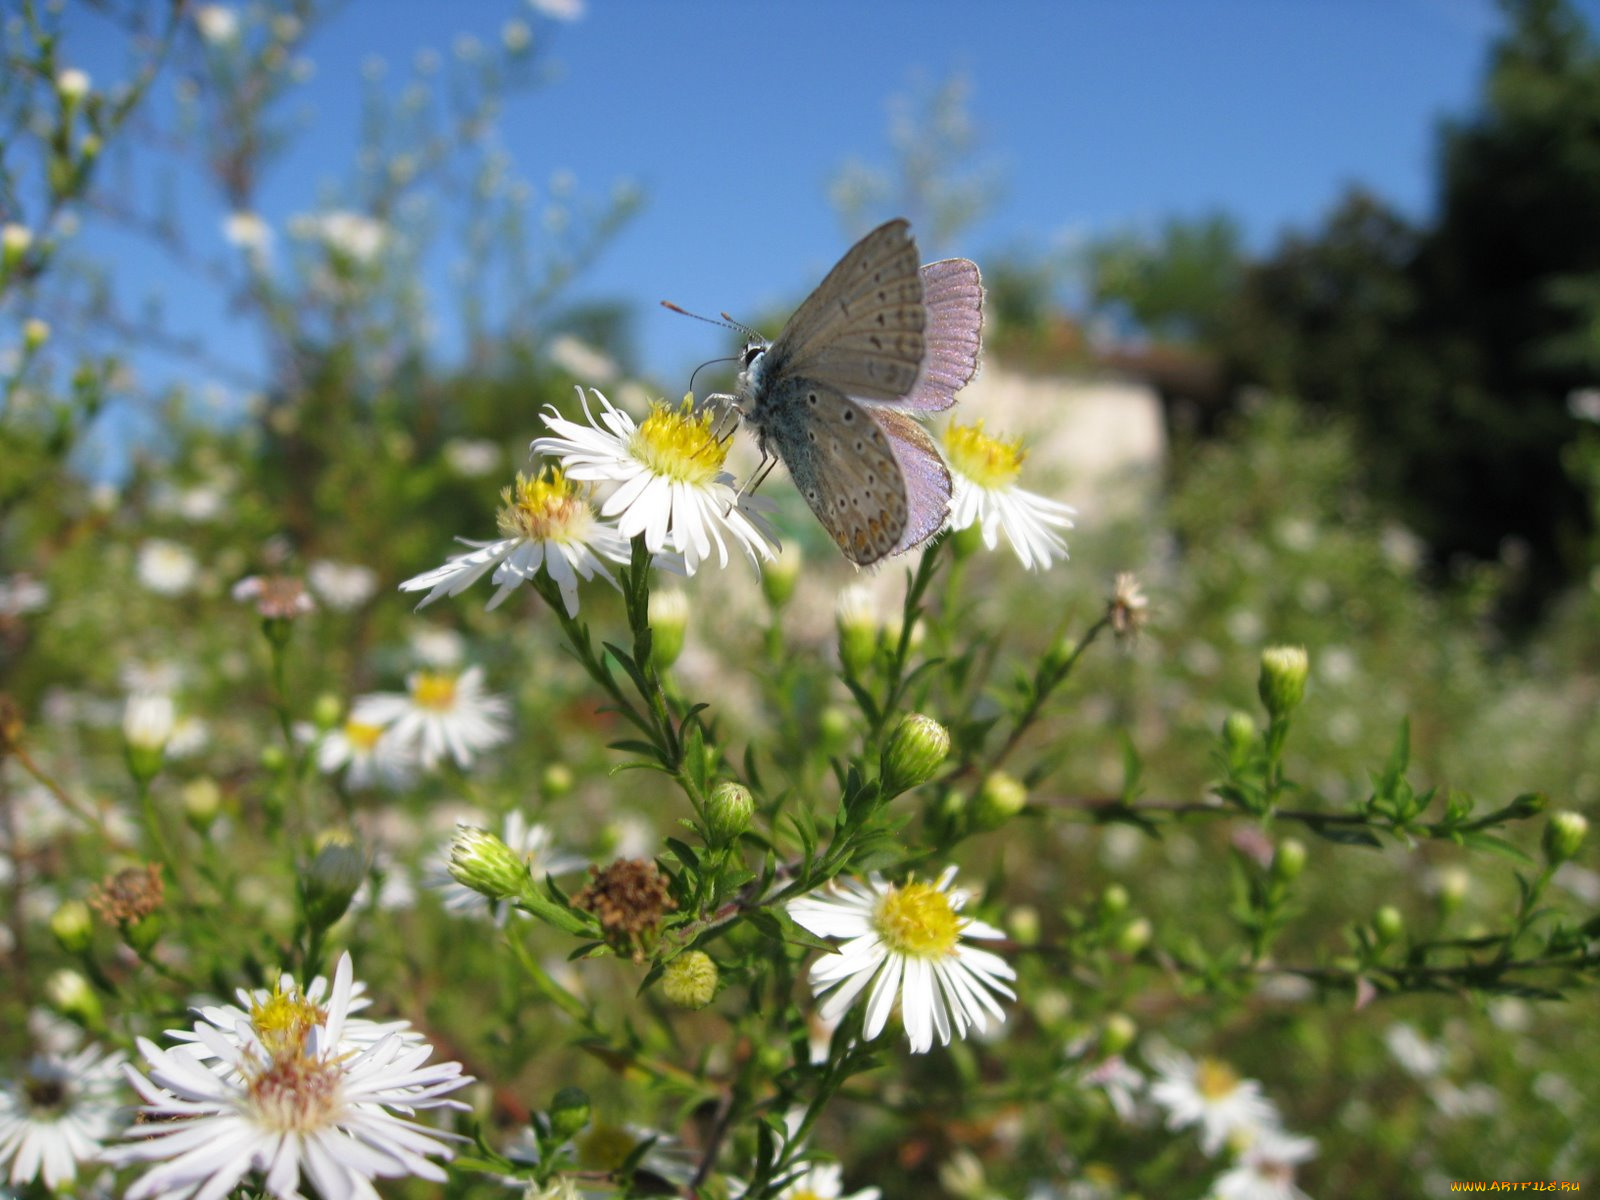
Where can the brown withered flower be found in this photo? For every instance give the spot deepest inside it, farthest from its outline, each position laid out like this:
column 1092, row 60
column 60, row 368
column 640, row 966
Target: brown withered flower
column 630, row 898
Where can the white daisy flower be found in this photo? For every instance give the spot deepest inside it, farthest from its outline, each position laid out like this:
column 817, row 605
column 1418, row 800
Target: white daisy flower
column 148, row 720
column 262, row 1015
column 57, row 1113
column 247, row 230
column 472, row 458
column 906, row 940
column 668, row 477
column 984, row 492
column 530, row 841
column 287, row 1098
column 166, row 568
column 343, row 587
column 439, row 712
column 217, row 23
column 1265, row 1170
column 364, row 751
column 823, row 1181
column 1209, row 1093
column 546, row 522
column 1121, row 1084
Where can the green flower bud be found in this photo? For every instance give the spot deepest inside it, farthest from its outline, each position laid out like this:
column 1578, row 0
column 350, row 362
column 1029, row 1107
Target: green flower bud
column 1000, row 798
column 69, row 993
column 147, row 724
column 669, row 619
column 1114, row 900
column 1563, row 836
column 779, row 577
column 202, row 801
column 484, row 863
column 327, row 711
column 1238, row 736
column 913, row 753
column 690, row 980
column 1283, row 679
column 856, row 618
column 556, row 781
column 72, row 86
column 72, row 926
column 14, row 243
column 273, row 758
column 834, row 727
column 1452, row 885
column 728, row 812
column 1135, row 936
column 1117, row 1033
column 1022, row 923
column 331, row 881
column 91, row 146
column 1388, row 924
column 35, row 333
column 1290, row 860
column 569, row 1112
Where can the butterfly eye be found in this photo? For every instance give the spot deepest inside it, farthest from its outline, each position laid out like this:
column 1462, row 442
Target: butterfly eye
column 752, row 351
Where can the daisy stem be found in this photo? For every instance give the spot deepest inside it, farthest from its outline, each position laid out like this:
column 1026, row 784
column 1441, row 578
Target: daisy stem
column 636, row 595
column 896, row 682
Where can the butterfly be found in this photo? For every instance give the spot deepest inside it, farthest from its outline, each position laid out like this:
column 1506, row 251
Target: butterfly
column 878, row 339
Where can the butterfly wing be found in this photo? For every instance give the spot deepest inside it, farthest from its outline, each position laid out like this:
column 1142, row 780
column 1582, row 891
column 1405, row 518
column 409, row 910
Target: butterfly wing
column 844, row 465
column 952, row 297
column 927, row 479
column 861, row 331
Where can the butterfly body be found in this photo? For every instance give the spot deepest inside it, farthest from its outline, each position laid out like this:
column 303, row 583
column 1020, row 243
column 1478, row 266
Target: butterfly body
column 829, row 395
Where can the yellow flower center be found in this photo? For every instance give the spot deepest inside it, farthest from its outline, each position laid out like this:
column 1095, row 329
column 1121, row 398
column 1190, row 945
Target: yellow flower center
column 679, row 443
column 803, row 1193
column 1214, row 1079
column 433, row 689
column 987, row 461
column 917, row 920
column 284, row 1020
column 544, row 508
column 361, row 735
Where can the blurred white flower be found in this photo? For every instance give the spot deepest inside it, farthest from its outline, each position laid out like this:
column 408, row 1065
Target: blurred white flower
column 439, row 713
column 166, row 567
column 472, row 458
column 190, row 735
column 1265, row 1169
column 57, row 1113
column 1120, row 1082
column 558, row 10
column 1209, row 1093
column 248, row 232
column 823, row 1181
column 72, row 84
column 984, row 492
column 148, row 720
column 217, row 23
column 516, row 36
column 668, row 480
column 361, row 749
column 433, row 646
column 581, row 360
column 1415, row 1053
column 343, row 587
column 22, row 594
column 1584, row 404
column 907, row 942
column 350, row 235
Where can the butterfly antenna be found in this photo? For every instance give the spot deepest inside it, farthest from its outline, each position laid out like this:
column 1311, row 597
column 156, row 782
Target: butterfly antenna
column 727, row 322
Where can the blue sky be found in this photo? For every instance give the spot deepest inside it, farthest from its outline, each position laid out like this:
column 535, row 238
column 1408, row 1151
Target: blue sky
column 1095, row 115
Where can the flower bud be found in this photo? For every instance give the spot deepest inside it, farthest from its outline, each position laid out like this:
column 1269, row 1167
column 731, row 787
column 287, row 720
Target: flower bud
column 690, row 980
column 91, row 146
column 856, row 617
column 555, row 781
column 1282, row 684
column 569, row 1112
column 1563, row 835
column 72, row 85
column 1114, row 900
column 913, row 753
column 14, row 242
column 273, row 758
column 35, row 333
column 1388, row 924
column 669, row 618
column 202, row 801
column 1022, row 923
column 147, row 723
column 326, row 711
column 1290, row 860
column 779, row 577
column 728, row 813
column 69, row 993
column 1452, row 884
column 484, row 863
column 1238, row 736
column 834, row 726
column 1000, row 798
column 332, row 879
column 72, row 926
column 1135, row 936
column 1117, row 1033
